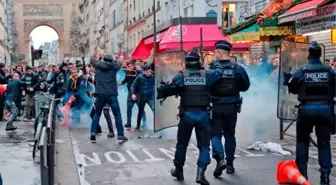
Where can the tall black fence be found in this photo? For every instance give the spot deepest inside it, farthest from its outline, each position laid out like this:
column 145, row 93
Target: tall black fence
column 47, row 147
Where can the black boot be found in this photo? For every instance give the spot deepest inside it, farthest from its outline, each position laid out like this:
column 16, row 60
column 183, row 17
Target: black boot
column 221, row 165
column 200, row 177
column 177, row 172
column 128, row 125
column 325, row 179
column 111, row 134
column 10, row 127
column 230, row 169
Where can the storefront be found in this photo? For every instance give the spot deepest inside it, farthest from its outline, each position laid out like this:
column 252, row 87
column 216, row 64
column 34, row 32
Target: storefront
column 168, row 39
column 316, row 22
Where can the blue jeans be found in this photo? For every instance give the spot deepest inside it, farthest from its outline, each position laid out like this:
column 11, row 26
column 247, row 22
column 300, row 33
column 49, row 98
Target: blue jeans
column 113, row 102
column 13, row 109
column 188, row 121
column 0, row 180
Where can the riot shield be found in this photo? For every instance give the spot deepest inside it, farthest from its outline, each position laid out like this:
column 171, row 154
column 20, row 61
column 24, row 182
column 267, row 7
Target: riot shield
column 167, row 65
column 293, row 55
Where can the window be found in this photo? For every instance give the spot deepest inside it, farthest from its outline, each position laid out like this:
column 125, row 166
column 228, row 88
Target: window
column 139, row 36
column 186, row 12
column 130, row 42
column 228, row 15
column 134, row 4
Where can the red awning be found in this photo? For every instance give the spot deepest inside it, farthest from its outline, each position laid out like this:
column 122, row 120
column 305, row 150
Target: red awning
column 159, row 37
column 142, row 51
column 191, row 37
column 301, row 11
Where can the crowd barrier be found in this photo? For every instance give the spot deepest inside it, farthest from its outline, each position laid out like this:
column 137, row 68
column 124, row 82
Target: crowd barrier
column 47, row 146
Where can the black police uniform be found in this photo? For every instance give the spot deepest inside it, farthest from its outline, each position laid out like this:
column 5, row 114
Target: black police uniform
column 226, row 104
column 315, row 85
column 192, row 85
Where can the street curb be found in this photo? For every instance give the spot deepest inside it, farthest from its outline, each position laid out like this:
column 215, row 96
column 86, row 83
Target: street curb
column 66, row 171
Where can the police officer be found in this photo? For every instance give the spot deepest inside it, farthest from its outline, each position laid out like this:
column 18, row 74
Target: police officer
column 315, row 85
column 226, row 104
column 192, row 85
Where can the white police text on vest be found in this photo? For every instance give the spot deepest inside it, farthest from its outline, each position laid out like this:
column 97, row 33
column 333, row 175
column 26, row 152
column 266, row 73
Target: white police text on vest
column 316, row 77
column 228, row 73
column 194, row 81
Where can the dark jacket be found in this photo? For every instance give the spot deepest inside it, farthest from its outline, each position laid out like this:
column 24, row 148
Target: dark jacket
column 43, row 76
column 106, row 77
column 31, row 81
column 143, row 85
column 129, row 78
column 3, row 77
column 66, row 75
column 14, row 90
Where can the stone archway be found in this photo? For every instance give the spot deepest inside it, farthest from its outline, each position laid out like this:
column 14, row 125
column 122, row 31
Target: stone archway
column 57, row 14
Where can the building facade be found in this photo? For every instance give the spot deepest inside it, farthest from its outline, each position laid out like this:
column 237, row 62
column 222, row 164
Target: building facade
column 4, row 53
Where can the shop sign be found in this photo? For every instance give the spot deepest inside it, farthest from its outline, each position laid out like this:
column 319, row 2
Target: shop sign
column 333, row 36
column 325, row 20
column 303, row 15
column 278, row 30
column 245, row 36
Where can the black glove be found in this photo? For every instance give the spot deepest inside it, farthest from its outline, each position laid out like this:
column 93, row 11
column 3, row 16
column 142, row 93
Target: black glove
column 287, row 77
column 165, row 90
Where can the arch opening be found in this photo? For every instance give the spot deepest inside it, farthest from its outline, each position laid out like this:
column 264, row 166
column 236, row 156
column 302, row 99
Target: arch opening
column 46, row 39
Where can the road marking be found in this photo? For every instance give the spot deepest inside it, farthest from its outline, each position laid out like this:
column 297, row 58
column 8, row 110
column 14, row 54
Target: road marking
column 249, row 154
column 108, row 157
column 135, row 159
column 95, row 160
column 151, row 157
column 168, row 153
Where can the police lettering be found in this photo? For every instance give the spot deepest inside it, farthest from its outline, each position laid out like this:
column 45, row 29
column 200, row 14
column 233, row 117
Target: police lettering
column 316, row 77
column 228, row 73
column 194, row 81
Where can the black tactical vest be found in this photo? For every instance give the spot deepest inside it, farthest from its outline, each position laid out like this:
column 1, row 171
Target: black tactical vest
column 195, row 91
column 227, row 85
column 318, row 84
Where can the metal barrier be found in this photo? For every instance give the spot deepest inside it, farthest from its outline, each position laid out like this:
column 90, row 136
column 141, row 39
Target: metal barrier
column 40, row 100
column 47, row 147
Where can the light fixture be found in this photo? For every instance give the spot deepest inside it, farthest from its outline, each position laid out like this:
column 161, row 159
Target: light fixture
column 318, row 32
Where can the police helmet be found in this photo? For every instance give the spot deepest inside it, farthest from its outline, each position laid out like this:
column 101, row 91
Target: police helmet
column 192, row 57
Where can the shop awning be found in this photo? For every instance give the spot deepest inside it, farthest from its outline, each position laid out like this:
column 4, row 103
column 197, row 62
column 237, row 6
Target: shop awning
column 246, row 35
column 142, row 51
column 159, row 36
column 191, row 36
column 301, row 11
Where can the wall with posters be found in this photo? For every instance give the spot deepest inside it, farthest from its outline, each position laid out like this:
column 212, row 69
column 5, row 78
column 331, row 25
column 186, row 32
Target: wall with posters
column 319, row 28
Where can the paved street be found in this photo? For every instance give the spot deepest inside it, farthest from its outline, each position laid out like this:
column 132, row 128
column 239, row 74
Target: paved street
column 148, row 161
column 16, row 157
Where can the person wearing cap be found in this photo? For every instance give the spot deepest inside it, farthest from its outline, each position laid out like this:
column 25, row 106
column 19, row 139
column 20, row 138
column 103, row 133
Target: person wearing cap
column 193, row 87
column 314, row 83
column 227, row 103
column 106, row 92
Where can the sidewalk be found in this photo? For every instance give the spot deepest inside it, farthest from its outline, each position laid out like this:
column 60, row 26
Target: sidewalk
column 16, row 164
column 289, row 143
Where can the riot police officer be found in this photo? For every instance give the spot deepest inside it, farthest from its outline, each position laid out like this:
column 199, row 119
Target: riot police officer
column 192, row 85
column 315, row 85
column 226, row 102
